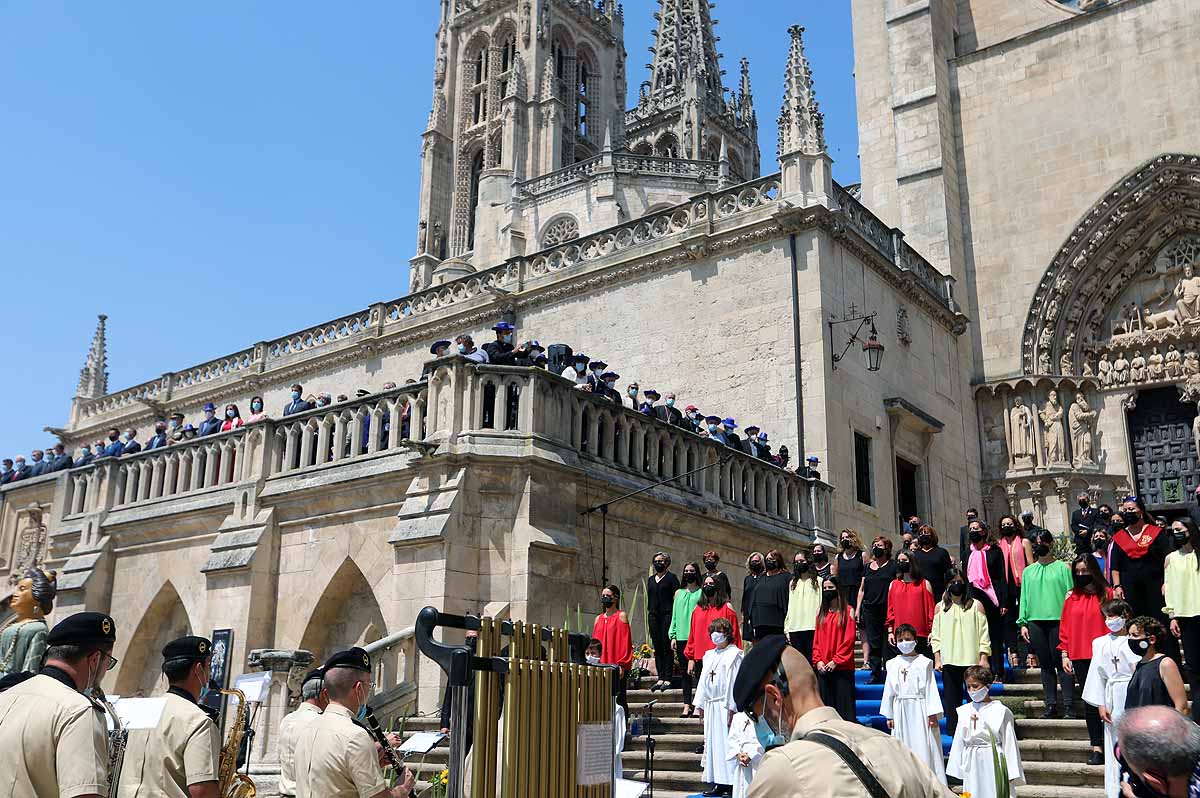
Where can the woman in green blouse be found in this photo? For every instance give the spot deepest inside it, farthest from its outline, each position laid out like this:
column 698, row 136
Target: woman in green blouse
column 1044, row 588
column 681, row 622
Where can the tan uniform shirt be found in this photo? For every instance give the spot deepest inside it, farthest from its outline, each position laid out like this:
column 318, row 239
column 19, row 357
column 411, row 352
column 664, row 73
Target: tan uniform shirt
column 804, row 769
column 183, row 749
column 289, row 731
column 53, row 742
column 335, row 758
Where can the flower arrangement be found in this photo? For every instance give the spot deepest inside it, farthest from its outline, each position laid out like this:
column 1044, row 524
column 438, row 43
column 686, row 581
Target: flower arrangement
column 642, row 655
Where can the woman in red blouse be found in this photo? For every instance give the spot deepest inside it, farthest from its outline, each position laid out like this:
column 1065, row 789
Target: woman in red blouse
column 233, row 418
column 1082, row 622
column 910, row 601
column 713, row 604
column 833, row 651
column 612, row 630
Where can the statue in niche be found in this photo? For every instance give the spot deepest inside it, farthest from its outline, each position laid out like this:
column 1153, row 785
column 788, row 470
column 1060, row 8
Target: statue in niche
column 1022, row 432
column 439, row 240
column 1082, row 420
column 1191, row 363
column 1137, row 368
column 23, row 642
column 1052, row 418
column 1104, row 369
column 1088, row 369
column 1162, row 319
column 1174, row 363
column 1120, row 369
column 421, row 229
column 1065, row 367
column 1154, row 365
column 1187, row 293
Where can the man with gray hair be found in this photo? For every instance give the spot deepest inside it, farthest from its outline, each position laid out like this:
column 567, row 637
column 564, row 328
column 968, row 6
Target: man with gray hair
column 1160, row 753
column 313, row 700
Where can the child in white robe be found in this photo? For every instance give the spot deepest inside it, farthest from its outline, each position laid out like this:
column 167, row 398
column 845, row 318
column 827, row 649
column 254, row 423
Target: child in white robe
column 714, row 700
column 744, row 752
column 980, row 723
column 1108, row 678
column 911, row 702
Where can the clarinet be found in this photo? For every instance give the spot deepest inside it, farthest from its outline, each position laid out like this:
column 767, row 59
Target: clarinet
column 394, row 761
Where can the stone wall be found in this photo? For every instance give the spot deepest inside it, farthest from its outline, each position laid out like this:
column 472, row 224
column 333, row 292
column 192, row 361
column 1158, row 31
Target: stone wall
column 982, row 23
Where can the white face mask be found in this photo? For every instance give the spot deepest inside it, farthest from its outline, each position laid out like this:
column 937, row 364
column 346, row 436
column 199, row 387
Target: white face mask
column 718, row 638
column 1114, row 624
column 593, row 660
column 978, row 696
column 906, row 646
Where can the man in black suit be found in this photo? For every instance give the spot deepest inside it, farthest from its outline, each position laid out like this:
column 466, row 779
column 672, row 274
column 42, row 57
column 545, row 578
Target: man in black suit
column 972, row 515
column 732, row 439
column 131, row 445
column 159, row 439
column 1082, row 521
column 297, row 405
column 667, row 412
column 750, row 442
column 20, row 470
column 6, row 471
column 61, row 460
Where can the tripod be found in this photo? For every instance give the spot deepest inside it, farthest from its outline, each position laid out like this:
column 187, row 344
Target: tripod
column 648, row 725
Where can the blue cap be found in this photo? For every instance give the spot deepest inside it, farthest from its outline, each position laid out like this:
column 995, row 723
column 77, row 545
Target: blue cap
column 537, row 346
column 762, row 436
column 503, row 327
column 433, row 349
column 812, row 458
column 729, row 422
column 209, row 406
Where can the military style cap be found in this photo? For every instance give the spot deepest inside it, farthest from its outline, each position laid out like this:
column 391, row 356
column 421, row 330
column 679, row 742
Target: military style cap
column 350, row 658
column 83, row 629
column 437, row 345
column 190, row 647
column 756, row 666
column 315, row 673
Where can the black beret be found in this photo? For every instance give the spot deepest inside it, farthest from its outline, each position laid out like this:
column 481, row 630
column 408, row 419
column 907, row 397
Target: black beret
column 756, row 666
column 190, row 647
column 350, row 658
column 83, row 629
column 315, row 673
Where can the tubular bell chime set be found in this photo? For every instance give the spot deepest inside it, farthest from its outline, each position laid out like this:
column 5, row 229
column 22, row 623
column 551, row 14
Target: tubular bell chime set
column 547, row 694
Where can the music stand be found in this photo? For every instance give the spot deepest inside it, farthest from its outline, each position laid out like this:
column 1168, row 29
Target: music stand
column 647, row 722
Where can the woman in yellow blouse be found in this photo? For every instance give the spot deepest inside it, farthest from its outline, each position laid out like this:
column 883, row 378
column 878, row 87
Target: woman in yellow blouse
column 959, row 639
column 1181, row 588
column 804, row 599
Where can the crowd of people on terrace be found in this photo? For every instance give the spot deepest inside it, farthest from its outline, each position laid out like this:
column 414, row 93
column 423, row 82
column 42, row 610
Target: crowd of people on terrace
column 587, row 374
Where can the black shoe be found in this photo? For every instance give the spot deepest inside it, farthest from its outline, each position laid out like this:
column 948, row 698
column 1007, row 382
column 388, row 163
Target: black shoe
column 715, row 792
column 1050, row 713
column 700, row 749
column 1096, row 758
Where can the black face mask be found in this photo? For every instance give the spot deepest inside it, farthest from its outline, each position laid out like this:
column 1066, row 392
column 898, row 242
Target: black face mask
column 688, row 577
column 799, row 568
column 877, row 551
column 755, row 567
column 772, row 564
column 606, row 601
column 1099, row 544
column 821, row 557
column 660, row 566
column 1139, row 647
column 1082, row 581
column 113, row 437
column 828, row 594
column 903, row 566
column 846, row 545
column 958, row 589
column 710, row 565
column 1181, row 538
column 1083, row 503
column 709, row 590
column 924, row 540
column 975, row 536
column 1008, row 530
column 1041, row 550
column 1129, row 516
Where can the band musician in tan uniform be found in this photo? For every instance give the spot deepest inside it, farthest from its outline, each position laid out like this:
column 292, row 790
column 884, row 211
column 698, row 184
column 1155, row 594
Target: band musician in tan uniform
column 54, row 739
column 335, row 757
column 179, row 757
column 313, row 700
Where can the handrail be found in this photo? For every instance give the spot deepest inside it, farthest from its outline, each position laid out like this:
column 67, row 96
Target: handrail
column 386, row 643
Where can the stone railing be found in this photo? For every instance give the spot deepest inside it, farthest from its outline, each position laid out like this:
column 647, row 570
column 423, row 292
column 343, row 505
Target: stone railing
column 313, row 337
column 222, row 366
column 890, row 243
column 559, row 177
column 397, row 670
column 652, row 164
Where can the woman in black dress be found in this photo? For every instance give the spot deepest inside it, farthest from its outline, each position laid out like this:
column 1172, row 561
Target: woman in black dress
column 872, row 605
column 984, row 571
column 1156, row 679
column 848, row 572
column 1139, row 556
column 660, row 600
column 932, row 559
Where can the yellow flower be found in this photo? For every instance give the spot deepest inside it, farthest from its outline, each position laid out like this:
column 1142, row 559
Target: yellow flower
column 445, row 774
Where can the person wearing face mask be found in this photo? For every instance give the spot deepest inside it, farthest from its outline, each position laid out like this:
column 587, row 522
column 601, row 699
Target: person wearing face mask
column 713, row 430
column 313, row 701
column 808, row 744
column 754, row 574
column 667, row 412
column 714, row 697
column 159, row 439
column 115, row 446
column 982, row 724
column 53, row 741
column 20, row 470
column 1181, row 587
column 211, row 425
column 130, row 444
column 85, row 455
column 963, row 535
column 871, row 612
column 1081, row 625
column 648, row 407
column 750, row 442
column 591, row 656
column 1083, row 521
column 693, row 420
column 1018, row 553
column 732, row 439
column 1113, row 663
column 1160, row 750
column 682, row 608
column 6, row 471
column 712, row 567
column 257, row 411
column 1044, row 585
column 910, row 603
column 848, row 567
column 744, row 750
column 335, row 756
column 233, row 418
column 911, row 702
column 608, row 387
column 770, row 602
column 959, row 639
column 1028, row 527
column 180, row 755
column 804, row 601
column 1156, row 678
column 297, row 403
column 933, row 560
column 713, row 604
column 661, row 586
column 819, row 556
column 1138, row 566
column 630, row 399
column 984, row 568
column 577, row 372
column 833, row 651
column 611, row 628
column 501, row 352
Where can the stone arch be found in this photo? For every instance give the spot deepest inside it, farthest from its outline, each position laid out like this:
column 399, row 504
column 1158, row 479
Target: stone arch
column 560, row 229
column 1117, row 242
column 643, row 148
column 667, row 145
column 164, row 620
column 347, row 614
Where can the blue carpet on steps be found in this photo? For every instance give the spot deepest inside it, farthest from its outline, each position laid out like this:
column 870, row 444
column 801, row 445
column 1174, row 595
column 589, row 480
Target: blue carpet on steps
column 866, row 704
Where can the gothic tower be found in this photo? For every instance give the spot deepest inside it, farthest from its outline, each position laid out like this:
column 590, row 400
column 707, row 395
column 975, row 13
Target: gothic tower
column 521, row 89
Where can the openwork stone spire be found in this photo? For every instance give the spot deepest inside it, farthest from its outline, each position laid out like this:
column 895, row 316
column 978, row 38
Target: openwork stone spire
column 685, row 46
column 93, row 377
column 745, row 95
column 801, row 125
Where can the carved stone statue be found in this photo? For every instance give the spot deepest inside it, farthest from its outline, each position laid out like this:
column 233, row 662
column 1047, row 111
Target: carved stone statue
column 1104, row 369
column 1187, row 294
column 1191, row 363
column 1174, row 363
column 1022, row 432
column 1154, row 365
column 1088, row 369
column 439, row 240
column 23, row 642
column 1083, row 425
column 1120, row 370
column 1137, row 368
column 421, row 230
column 1065, row 367
column 1052, row 418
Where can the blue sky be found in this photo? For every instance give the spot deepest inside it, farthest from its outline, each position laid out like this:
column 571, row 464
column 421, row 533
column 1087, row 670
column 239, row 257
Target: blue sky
column 210, row 175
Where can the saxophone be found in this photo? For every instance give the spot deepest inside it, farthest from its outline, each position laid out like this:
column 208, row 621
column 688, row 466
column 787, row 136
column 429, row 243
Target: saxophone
column 230, row 783
column 118, row 736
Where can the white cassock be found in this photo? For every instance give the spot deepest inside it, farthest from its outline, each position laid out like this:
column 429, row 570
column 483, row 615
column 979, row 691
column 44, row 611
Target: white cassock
column 910, row 696
column 971, row 752
column 743, row 740
column 714, row 694
column 618, row 741
column 1108, row 679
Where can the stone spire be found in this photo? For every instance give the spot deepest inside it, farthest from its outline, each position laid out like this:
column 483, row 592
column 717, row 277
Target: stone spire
column 745, row 95
column 685, row 44
column 93, row 377
column 801, row 125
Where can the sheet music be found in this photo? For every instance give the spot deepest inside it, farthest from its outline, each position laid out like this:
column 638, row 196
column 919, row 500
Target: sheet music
column 594, row 753
column 256, row 686
column 140, row 713
column 421, row 742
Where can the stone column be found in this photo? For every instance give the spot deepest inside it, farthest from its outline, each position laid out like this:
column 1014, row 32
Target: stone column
column 287, row 668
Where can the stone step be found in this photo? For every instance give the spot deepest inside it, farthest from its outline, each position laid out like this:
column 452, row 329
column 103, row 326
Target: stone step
column 1035, row 706
column 1057, row 729
column 668, row 742
column 1052, row 750
column 1058, row 791
column 1065, row 774
column 683, row 761
column 686, row 783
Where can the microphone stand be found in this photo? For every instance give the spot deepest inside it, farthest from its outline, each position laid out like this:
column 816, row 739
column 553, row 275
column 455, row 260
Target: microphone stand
column 647, row 721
